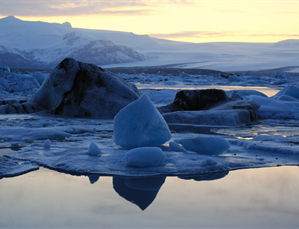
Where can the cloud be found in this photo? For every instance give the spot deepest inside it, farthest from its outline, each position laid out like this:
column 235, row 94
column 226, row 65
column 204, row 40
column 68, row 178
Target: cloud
column 82, row 7
column 287, row 12
column 214, row 34
column 195, row 34
column 274, row 35
column 232, row 11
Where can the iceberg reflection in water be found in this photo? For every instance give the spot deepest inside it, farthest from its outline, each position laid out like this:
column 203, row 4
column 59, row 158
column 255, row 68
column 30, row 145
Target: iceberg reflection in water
column 140, row 191
column 251, row 198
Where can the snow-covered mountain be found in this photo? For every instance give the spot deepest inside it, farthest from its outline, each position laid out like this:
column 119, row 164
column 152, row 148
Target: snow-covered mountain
column 38, row 44
column 44, row 45
column 289, row 42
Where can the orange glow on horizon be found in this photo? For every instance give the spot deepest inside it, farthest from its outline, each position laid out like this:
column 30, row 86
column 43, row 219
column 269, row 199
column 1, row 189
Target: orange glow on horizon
column 194, row 21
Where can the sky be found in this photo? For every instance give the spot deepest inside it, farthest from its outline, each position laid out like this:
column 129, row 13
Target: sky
column 181, row 20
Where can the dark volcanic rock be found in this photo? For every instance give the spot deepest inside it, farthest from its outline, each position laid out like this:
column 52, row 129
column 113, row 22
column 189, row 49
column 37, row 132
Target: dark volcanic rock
column 194, row 100
column 84, row 90
column 210, row 107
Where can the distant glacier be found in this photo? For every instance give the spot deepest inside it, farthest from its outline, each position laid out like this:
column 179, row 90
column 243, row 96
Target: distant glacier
column 35, row 44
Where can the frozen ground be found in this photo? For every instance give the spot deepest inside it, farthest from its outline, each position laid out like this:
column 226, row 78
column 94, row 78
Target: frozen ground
column 271, row 142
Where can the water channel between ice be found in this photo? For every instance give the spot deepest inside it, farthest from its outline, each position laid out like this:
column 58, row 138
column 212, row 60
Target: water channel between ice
column 266, row 90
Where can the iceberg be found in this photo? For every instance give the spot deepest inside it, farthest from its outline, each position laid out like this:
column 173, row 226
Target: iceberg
column 139, row 125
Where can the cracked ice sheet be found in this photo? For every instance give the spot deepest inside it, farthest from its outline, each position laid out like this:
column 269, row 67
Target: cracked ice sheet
column 73, row 157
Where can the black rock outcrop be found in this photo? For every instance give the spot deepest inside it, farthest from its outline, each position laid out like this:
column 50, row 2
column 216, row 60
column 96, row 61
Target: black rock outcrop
column 78, row 89
column 210, row 107
column 194, row 100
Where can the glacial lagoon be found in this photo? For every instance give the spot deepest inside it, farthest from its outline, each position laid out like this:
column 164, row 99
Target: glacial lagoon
column 251, row 198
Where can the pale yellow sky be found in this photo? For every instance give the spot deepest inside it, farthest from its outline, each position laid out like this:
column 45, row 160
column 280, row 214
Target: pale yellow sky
column 185, row 20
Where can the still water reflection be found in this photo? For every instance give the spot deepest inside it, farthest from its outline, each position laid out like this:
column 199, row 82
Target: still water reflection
column 253, row 198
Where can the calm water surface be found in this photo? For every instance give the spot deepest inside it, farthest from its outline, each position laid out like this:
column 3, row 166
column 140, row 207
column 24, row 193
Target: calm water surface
column 266, row 90
column 252, row 198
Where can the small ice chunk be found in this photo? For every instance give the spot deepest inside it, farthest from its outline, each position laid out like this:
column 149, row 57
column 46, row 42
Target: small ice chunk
column 208, row 145
column 290, row 90
column 39, row 77
column 145, row 157
column 47, row 144
column 176, row 147
column 94, row 150
column 209, row 161
column 15, row 144
column 140, row 124
column 4, row 69
column 248, row 73
column 233, row 78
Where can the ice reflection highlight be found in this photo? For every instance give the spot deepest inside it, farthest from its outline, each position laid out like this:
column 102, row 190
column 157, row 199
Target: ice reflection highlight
column 266, row 90
column 280, row 128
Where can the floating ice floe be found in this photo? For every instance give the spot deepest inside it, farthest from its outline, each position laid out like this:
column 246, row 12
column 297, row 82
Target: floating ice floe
column 71, row 155
column 210, row 107
column 283, row 105
column 290, row 90
column 139, row 125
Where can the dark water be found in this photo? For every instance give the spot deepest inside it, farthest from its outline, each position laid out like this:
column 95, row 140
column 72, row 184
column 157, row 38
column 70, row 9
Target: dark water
column 253, row 198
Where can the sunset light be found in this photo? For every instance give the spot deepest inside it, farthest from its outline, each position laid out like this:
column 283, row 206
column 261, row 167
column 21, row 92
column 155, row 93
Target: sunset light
column 191, row 21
